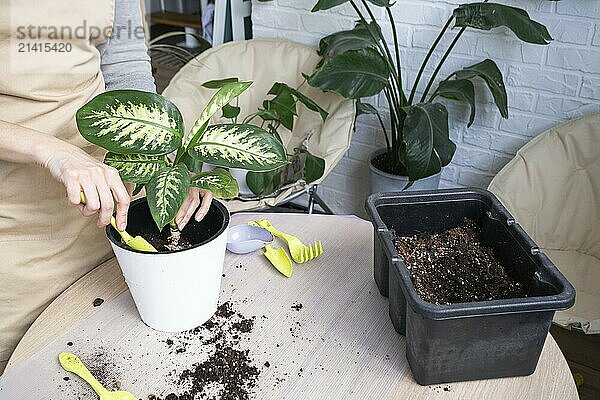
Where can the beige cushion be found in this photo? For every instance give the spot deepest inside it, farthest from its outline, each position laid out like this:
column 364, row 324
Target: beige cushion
column 552, row 188
column 266, row 61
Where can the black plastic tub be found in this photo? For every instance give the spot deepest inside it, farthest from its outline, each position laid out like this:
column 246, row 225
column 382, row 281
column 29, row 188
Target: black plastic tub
column 466, row 341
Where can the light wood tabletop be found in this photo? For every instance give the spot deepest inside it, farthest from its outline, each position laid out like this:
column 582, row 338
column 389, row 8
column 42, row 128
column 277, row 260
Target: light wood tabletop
column 339, row 345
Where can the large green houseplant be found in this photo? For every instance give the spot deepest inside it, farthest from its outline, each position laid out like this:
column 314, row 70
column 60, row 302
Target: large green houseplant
column 359, row 63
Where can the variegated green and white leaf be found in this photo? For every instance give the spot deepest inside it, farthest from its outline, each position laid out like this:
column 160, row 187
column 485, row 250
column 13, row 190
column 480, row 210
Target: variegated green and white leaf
column 135, row 168
column 219, row 182
column 240, row 146
column 224, row 96
column 131, row 122
column 166, row 192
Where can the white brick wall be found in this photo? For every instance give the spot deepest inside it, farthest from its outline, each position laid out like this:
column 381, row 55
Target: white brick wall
column 546, row 84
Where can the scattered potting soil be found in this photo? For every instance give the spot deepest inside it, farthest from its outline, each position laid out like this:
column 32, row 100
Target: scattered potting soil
column 98, row 302
column 102, row 366
column 454, row 267
column 297, row 306
column 228, row 373
column 441, row 388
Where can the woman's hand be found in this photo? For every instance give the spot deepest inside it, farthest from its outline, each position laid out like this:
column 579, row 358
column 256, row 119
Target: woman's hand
column 101, row 184
column 196, row 197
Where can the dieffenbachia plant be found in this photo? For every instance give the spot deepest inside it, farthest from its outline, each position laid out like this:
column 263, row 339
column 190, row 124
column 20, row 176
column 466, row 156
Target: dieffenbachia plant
column 140, row 129
column 358, row 63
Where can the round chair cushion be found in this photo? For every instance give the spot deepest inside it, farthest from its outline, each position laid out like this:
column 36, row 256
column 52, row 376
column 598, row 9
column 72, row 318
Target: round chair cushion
column 552, row 188
column 266, row 61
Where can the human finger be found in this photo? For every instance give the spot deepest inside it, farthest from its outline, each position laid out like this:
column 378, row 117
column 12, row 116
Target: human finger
column 207, row 198
column 194, row 202
column 122, row 199
column 92, row 204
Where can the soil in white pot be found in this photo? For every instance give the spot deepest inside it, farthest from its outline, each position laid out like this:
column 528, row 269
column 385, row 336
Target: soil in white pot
column 384, row 162
column 140, row 222
column 169, row 240
column 455, row 267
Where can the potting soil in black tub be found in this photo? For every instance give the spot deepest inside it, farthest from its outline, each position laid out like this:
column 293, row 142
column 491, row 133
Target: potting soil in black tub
column 466, row 341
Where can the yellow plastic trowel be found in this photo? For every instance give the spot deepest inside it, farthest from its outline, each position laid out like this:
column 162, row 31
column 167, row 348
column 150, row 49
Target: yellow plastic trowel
column 279, row 259
column 136, row 243
column 72, row 363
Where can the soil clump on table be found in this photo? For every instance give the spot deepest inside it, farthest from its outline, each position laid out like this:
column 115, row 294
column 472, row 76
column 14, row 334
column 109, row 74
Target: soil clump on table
column 228, row 372
column 455, row 267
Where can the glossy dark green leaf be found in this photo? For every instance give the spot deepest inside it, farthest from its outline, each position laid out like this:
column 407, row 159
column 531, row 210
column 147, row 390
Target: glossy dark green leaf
column 219, row 83
column 327, row 4
column 302, row 165
column 135, row 168
column 427, row 143
column 266, row 183
column 219, row 182
column 353, row 74
column 267, row 115
column 314, row 168
column 131, row 122
column 461, row 90
column 490, row 73
column 284, row 106
column 166, row 192
column 279, row 88
column 353, row 39
column 230, row 111
column 486, row 16
column 263, row 183
column 365, row 108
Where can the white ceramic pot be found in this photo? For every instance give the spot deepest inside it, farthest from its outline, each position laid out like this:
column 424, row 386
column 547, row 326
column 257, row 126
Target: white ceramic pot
column 381, row 181
column 178, row 290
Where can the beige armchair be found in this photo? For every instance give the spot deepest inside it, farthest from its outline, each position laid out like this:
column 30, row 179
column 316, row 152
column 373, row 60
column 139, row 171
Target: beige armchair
column 552, row 188
column 266, row 61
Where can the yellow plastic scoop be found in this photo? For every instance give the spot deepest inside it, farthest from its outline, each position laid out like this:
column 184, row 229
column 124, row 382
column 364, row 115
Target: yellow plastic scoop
column 279, row 259
column 136, row 243
column 72, row 363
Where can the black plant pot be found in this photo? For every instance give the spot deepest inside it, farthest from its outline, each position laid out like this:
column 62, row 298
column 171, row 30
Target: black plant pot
column 466, row 341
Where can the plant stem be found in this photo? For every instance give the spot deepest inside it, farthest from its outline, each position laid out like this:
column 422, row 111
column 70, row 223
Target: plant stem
column 378, row 39
column 392, row 119
column 437, row 70
column 396, row 89
column 427, row 57
column 385, row 134
column 396, row 45
column 249, row 118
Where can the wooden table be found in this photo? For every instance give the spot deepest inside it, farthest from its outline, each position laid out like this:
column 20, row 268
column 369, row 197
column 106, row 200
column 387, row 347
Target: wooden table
column 346, row 345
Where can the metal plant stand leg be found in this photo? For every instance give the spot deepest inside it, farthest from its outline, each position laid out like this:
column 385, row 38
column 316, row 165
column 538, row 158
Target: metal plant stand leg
column 313, row 197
